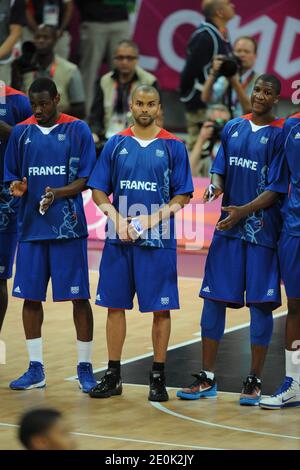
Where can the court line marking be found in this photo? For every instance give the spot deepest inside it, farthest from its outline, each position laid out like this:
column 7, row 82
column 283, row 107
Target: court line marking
column 162, row 408
column 178, row 345
column 127, row 439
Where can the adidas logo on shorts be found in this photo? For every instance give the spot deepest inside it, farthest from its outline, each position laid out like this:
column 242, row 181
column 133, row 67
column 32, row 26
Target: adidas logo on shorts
column 98, row 297
column 206, row 289
column 17, row 290
column 2, row 269
column 74, row 289
column 270, row 292
column 165, row 300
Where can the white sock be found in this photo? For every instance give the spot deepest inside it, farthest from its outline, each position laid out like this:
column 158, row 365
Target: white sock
column 35, row 349
column 292, row 364
column 209, row 375
column 84, row 350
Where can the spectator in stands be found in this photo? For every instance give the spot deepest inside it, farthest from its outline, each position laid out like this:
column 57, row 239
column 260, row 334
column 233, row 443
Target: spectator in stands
column 45, row 429
column 217, row 89
column 209, row 140
column 208, row 40
column 12, row 17
column 57, row 13
column 44, row 63
column 102, row 27
column 110, row 111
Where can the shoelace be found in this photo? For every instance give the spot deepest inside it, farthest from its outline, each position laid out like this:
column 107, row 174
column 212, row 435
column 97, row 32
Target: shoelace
column 250, row 385
column 200, row 379
column 284, row 387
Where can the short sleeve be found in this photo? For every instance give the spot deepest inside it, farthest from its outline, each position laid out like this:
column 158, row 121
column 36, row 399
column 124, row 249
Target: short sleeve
column 101, row 177
column 278, row 174
column 181, row 177
column 87, row 151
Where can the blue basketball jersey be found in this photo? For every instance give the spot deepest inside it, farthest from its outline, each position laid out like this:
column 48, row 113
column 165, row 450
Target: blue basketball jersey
column 251, row 160
column 50, row 157
column 14, row 107
column 291, row 132
column 142, row 179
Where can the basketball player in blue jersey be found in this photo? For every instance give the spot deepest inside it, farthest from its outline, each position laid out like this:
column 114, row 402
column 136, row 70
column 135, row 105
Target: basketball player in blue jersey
column 14, row 107
column 147, row 170
column 48, row 160
column 288, row 394
column 251, row 173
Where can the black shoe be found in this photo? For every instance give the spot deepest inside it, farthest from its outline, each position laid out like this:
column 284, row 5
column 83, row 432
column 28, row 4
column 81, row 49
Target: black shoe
column 158, row 390
column 110, row 384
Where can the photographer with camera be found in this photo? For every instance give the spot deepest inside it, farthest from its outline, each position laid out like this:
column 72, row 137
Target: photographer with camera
column 207, row 41
column 209, row 140
column 39, row 60
column 231, row 78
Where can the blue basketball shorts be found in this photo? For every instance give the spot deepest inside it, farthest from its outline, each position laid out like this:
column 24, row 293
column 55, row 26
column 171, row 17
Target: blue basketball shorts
column 149, row 272
column 65, row 261
column 8, row 245
column 234, row 267
column 289, row 256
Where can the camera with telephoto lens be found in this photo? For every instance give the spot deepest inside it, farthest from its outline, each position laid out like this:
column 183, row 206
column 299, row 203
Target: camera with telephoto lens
column 231, row 65
column 27, row 61
column 217, row 126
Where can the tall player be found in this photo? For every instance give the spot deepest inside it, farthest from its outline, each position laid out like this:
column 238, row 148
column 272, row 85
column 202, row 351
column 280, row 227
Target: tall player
column 48, row 160
column 147, row 170
column 288, row 394
column 249, row 169
column 14, row 107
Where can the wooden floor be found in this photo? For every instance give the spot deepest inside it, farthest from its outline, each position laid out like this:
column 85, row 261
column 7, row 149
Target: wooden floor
column 130, row 421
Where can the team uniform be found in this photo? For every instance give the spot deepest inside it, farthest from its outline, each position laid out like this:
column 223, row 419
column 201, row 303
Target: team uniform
column 289, row 245
column 14, row 107
column 251, row 161
column 244, row 258
column 143, row 176
column 55, row 244
column 288, row 394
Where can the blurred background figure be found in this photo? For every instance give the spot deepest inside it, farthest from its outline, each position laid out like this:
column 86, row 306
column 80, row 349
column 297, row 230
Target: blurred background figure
column 56, row 13
column 103, row 25
column 208, row 140
column 231, row 80
column 209, row 39
column 45, row 429
column 12, row 18
column 39, row 60
column 110, row 111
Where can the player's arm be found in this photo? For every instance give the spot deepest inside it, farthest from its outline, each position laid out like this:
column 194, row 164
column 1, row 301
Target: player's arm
column 67, row 191
column 101, row 199
column 147, row 222
column 5, row 130
column 236, row 213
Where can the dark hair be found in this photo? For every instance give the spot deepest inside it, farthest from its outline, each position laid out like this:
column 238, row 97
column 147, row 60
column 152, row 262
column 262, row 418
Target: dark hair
column 128, row 43
column 210, row 8
column 247, row 38
column 43, row 84
column 267, row 77
column 36, row 422
column 146, row 89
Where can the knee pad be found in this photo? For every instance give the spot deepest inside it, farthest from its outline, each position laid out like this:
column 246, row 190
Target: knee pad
column 213, row 319
column 261, row 326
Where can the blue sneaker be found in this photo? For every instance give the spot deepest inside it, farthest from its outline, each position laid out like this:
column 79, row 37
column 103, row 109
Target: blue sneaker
column 251, row 393
column 202, row 387
column 33, row 378
column 86, row 376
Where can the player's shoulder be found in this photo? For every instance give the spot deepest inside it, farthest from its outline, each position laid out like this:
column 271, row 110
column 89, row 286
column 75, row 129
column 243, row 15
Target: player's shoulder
column 8, row 91
column 166, row 135
column 293, row 120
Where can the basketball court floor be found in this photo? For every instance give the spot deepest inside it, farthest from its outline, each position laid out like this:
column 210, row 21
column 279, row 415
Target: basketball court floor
column 130, row 421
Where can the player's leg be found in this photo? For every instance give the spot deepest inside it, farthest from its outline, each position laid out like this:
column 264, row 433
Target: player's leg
column 288, row 393
column 223, row 285
column 70, row 281
column 8, row 243
column 115, row 291
column 263, row 296
column 30, row 283
column 155, row 274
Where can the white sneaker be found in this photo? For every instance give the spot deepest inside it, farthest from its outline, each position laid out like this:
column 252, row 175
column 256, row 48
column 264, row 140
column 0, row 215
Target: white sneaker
column 287, row 395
